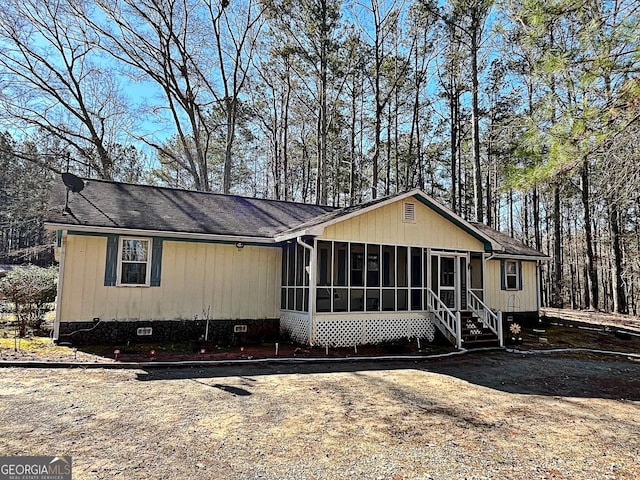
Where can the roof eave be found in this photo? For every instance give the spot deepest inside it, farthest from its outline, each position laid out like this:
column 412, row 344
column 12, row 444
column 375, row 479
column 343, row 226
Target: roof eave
column 248, row 239
column 515, row 256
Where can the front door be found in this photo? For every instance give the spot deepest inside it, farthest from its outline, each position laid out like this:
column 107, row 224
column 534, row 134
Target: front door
column 449, row 280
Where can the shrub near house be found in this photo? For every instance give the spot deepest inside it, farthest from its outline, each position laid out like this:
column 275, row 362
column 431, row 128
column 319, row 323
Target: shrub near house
column 30, row 290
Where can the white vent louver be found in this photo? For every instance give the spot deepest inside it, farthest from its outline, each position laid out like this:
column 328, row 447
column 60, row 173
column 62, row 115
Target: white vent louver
column 409, row 212
column 239, row 329
column 144, row 331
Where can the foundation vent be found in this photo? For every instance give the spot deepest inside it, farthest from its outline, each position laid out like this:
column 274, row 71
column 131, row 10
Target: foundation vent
column 144, row 331
column 239, row 329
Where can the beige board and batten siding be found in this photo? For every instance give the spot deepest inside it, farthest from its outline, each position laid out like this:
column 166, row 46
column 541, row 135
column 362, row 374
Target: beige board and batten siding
column 196, row 277
column 385, row 225
column 524, row 300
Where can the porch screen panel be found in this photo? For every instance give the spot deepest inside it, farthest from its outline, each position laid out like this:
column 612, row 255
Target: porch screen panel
column 340, row 265
column 357, row 300
column 388, row 266
column 323, row 291
column 373, row 265
column 416, row 279
column 402, row 262
column 294, row 291
column 373, row 300
column 357, row 265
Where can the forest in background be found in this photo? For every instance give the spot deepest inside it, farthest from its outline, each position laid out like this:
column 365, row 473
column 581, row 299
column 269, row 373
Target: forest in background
column 520, row 114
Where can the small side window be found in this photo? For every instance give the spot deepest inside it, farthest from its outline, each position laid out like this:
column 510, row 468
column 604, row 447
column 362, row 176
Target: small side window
column 511, row 274
column 134, row 261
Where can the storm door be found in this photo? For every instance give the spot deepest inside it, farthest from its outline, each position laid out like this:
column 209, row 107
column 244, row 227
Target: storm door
column 447, row 285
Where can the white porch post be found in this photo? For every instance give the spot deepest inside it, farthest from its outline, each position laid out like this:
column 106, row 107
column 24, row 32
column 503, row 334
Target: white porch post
column 458, row 330
column 312, row 285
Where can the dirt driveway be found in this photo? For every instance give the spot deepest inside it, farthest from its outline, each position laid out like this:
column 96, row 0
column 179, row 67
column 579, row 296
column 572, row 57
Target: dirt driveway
column 483, row 415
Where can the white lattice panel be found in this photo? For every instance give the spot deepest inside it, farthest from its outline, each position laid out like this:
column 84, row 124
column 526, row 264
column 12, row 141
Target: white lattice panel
column 346, row 332
column 296, row 325
column 339, row 333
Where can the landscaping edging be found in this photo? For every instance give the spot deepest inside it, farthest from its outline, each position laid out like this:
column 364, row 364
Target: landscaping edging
column 293, row 360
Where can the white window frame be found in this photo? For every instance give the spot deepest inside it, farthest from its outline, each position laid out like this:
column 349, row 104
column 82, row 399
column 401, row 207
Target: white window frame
column 515, row 274
column 120, row 262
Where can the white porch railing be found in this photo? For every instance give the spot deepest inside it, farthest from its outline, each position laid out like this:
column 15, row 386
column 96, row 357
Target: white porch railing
column 491, row 320
column 448, row 322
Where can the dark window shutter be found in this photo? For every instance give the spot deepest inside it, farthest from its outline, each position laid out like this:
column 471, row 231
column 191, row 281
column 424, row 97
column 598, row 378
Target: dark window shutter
column 503, row 279
column 111, row 266
column 519, row 275
column 156, row 262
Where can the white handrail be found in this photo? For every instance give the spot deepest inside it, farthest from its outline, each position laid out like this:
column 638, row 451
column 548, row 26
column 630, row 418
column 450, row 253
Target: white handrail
column 448, row 319
column 493, row 321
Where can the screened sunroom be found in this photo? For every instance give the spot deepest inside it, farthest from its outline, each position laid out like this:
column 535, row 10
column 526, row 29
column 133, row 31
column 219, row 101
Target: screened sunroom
column 370, row 293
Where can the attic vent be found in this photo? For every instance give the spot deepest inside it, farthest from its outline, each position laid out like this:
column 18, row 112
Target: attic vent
column 144, row 331
column 409, row 212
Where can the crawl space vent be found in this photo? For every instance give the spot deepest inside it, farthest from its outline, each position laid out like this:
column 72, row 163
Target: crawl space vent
column 144, row 331
column 239, row 329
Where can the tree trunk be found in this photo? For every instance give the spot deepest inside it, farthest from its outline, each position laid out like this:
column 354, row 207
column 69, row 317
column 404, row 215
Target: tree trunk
column 619, row 295
column 592, row 301
column 557, row 281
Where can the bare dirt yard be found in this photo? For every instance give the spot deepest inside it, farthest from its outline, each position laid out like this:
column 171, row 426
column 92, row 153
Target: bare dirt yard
column 481, row 415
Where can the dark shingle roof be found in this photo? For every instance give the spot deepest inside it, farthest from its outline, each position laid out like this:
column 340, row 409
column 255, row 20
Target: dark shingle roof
column 511, row 246
column 106, row 204
column 125, row 206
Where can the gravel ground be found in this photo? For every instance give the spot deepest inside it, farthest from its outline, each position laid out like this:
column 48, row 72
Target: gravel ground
column 479, row 416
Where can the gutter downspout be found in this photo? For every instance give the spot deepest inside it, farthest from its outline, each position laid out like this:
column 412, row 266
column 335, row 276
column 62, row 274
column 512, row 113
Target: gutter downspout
column 312, row 284
column 62, row 243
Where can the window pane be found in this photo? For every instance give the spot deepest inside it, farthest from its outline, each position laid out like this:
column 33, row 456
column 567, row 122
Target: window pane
column 357, row 300
column 340, row 299
column 511, row 268
column 340, row 264
column 402, row 266
column 357, row 265
column 388, row 266
column 373, row 265
column 134, row 274
column 511, row 282
column 134, row 250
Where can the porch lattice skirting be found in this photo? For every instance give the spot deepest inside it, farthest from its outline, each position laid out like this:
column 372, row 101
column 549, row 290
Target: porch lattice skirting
column 338, row 331
column 297, row 325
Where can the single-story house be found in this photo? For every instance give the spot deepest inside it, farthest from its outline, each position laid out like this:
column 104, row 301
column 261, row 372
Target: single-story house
column 160, row 263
